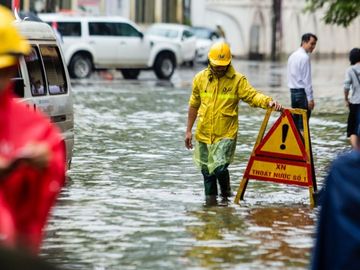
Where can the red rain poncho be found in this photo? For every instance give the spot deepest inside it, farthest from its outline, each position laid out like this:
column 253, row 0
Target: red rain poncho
column 27, row 194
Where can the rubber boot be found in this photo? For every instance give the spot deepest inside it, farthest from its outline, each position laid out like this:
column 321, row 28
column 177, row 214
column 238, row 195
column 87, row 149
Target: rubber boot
column 210, row 184
column 210, row 200
column 222, row 175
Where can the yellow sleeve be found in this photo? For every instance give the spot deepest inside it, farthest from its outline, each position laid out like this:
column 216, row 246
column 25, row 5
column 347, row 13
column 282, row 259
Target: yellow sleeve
column 250, row 95
column 195, row 100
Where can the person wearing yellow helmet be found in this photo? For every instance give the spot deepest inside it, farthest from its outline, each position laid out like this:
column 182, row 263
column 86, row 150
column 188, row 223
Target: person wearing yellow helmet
column 216, row 93
column 32, row 154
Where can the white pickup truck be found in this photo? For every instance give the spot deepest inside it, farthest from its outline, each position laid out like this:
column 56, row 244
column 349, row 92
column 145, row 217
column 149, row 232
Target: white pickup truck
column 99, row 42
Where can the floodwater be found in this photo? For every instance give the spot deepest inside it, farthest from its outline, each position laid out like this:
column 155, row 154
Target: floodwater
column 134, row 199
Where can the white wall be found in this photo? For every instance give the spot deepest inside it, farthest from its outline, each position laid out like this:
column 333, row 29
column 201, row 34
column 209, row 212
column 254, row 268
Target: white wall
column 117, row 8
column 237, row 17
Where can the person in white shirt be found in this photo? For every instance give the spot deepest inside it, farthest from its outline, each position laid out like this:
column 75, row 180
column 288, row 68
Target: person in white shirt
column 352, row 83
column 299, row 77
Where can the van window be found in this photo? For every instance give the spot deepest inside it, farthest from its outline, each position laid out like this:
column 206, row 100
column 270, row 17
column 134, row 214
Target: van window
column 35, row 71
column 69, row 29
column 54, row 69
column 18, row 90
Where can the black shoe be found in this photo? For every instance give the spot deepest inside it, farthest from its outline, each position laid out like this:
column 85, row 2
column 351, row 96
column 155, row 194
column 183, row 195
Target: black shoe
column 224, row 201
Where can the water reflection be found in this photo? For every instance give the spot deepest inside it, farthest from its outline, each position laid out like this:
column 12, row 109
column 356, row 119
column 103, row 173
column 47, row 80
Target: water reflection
column 272, row 237
column 283, row 234
column 216, row 221
column 217, row 245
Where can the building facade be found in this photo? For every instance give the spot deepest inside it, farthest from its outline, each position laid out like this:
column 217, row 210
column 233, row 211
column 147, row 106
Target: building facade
column 249, row 27
column 141, row 11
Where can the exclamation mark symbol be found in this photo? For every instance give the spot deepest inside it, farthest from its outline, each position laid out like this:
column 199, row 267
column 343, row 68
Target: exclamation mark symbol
column 285, row 129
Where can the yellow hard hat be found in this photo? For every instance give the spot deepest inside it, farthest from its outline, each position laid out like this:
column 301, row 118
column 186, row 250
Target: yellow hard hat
column 12, row 44
column 220, row 54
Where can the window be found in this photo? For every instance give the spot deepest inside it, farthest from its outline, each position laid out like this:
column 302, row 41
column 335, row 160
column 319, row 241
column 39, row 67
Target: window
column 18, row 87
column 35, row 71
column 204, row 33
column 102, row 29
column 187, row 34
column 112, row 29
column 214, row 36
column 126, row 30
column 55, row 72
column 69, row 29
column 163, row 32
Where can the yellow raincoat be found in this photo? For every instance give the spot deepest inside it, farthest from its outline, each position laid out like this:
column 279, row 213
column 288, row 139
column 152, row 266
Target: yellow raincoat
column 217, row 102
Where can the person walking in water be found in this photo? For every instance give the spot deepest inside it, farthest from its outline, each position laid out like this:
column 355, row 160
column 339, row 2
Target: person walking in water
column 299, row 78
column 352, row 83
column 214, row 101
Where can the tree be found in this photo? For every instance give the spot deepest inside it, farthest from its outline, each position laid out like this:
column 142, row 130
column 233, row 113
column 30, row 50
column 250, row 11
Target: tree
column 340, row 12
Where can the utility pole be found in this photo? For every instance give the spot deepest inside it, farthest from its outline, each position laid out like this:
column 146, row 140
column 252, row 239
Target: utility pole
column 276, row 30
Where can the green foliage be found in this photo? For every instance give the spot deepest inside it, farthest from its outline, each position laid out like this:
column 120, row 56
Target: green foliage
column 340, row 12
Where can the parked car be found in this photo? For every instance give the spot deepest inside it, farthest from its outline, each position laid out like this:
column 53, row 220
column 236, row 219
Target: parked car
column 205, row 37
column 103, row 42
column 178, row 34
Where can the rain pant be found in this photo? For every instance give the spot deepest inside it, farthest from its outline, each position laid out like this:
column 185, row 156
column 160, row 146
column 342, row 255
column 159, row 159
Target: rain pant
column 212, row 156
column 27, row 194
column 217, row 100
column 337, row 244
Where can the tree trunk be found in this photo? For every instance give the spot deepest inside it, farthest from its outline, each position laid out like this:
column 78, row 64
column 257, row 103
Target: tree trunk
column 276, row 30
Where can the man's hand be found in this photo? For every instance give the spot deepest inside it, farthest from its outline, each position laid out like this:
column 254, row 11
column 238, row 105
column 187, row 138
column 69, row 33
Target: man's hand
column 188, row 140
column 276, row 105
column 311, row 105
column 347, row 103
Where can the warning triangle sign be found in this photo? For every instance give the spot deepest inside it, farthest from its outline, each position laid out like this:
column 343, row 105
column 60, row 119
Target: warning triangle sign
column 283, row 140
column 281, row 155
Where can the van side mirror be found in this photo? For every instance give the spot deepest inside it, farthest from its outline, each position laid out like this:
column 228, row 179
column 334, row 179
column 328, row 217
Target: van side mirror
column 141, row 35
column 18, row 87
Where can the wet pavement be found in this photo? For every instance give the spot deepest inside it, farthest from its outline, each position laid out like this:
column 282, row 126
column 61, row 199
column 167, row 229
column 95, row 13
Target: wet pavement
column 134, row 199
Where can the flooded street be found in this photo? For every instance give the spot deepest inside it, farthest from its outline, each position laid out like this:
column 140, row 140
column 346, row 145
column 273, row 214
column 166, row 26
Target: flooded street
column 134, row 199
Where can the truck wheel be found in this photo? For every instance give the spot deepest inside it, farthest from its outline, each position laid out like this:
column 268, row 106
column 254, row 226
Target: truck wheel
column 80, row 66
column 164, row 66
column 130, row 73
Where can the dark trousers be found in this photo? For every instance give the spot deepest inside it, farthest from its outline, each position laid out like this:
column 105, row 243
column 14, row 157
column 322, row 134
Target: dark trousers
column 221, row 174
column 353, row 124
column 299, row 100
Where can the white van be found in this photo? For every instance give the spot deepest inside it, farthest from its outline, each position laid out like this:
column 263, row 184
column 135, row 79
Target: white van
column 43, row 80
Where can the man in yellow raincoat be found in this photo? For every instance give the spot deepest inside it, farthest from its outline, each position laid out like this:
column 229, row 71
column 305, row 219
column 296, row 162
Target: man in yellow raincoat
column 216, row 93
